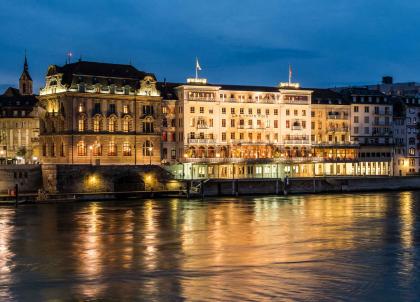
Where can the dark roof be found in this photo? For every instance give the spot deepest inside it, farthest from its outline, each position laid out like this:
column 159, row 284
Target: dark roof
column 328, row 96
column 12, row 100
column 95, row 72
column 167, row 90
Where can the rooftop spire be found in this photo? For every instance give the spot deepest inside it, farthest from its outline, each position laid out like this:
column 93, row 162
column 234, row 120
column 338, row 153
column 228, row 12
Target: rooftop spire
column 25, row 64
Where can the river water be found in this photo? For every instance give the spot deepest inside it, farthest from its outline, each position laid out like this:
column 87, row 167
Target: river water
column 362, row 247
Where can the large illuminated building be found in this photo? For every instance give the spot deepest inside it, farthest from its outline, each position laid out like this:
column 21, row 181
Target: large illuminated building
column 19, row 122
column 100, row 113
column 233, row 131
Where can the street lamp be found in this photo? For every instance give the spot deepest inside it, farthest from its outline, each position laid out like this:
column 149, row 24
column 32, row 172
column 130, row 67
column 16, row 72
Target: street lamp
column 150, row 155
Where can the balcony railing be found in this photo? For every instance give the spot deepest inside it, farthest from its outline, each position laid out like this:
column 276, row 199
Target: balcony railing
column 296, row 141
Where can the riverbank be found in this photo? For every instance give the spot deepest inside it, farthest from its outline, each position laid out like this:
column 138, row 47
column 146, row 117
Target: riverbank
column 236, row 187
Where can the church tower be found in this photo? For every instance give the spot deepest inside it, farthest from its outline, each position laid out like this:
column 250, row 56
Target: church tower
column 25, row 80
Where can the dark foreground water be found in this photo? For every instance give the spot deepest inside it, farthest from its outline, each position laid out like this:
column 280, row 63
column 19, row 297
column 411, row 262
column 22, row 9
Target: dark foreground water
column 363, row 247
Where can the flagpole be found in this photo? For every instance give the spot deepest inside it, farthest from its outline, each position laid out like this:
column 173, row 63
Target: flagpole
column 196, row 68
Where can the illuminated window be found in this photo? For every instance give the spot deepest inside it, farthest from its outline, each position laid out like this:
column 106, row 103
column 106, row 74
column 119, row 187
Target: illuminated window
column 125, row 109
column 147, row 148
column 126, row 149
column 96, row 124
column 126, row 124
column 112, row 124
column 81, row 148
column 112, row 149
column 81, row 107
column 97, row 149
column 81, row 124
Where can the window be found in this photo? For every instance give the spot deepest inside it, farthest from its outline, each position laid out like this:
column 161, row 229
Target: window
column 287, row 112
column 147, row 148
column 232, row 123
column 62, row 150
column 223, row 123
column 125, row 109
column 97, row 149
column 267, row 111
column 356, row 119
column 223, row 110
column 366, row 130
column 232, row 110
column 366, row 119
column 81, row 107
column 223, row 136
column 81, row 148
column 366, row 109
column 276, row 112
column 412, row 151
column 232, row 135
column 376, row 110
column 81, row 124
column 126, row 124
column 241, row 110
column 201, row 109
column 112, row 149
column 148, row 110
column 111, row 108
column 192, row 109
column 258, row 111
column 303, row 112
column 295, row 112
column 97, row 108
column 249, row 110
column 148, row 126
column 276, row 125
column 126, row 149
column 112, row 124
column 52, row 150
column 287, row 124
column 356, row 108
column 96, row 124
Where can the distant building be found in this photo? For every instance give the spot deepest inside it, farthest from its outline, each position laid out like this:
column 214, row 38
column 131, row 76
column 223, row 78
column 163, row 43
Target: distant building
column 19, row 123
column 100, row 113
column 406, row 136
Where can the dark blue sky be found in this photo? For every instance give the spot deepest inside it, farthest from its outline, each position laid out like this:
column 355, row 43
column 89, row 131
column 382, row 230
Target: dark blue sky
column 328, row 42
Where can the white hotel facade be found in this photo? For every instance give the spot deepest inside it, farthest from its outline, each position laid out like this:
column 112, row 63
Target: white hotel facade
column 232, row 131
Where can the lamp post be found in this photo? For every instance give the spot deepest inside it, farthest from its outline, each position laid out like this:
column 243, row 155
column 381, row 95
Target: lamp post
column 150, row 155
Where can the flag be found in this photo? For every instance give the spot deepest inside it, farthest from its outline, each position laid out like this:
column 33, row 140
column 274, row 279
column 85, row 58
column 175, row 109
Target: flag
column 197, row 64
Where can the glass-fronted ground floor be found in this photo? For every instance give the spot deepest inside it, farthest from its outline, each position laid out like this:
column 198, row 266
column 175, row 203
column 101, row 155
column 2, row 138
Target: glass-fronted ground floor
column 249, row 170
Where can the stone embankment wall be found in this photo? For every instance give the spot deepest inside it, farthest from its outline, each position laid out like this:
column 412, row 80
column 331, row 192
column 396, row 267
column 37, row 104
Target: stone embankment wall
column 92, row 178
column 307, row 185
column 28, row 178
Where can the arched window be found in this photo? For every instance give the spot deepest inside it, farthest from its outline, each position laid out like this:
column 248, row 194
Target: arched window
column 412, row 151
column 112, row 149
column 97, row 149
column 81, row 124
column 126, row 124
column 412, row 141
column 97, row 124
column 148, row 126
column 147, row 148
column 53, row 150
column 112, row 124
column 81, row 148
column 126, row 149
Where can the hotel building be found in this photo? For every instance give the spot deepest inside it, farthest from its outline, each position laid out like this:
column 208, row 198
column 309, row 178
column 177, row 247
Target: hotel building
column 99, row 113
column 232, row 131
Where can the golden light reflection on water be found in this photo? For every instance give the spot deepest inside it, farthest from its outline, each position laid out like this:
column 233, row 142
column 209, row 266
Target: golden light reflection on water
column 6, row 252
column 281, row 248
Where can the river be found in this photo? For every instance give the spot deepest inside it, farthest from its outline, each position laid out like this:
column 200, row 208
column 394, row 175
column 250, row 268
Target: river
column 343, row 247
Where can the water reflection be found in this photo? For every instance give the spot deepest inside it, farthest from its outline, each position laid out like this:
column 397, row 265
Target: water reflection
column 314, row 247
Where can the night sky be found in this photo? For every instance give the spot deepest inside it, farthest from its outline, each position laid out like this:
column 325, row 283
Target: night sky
column 328, row 42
